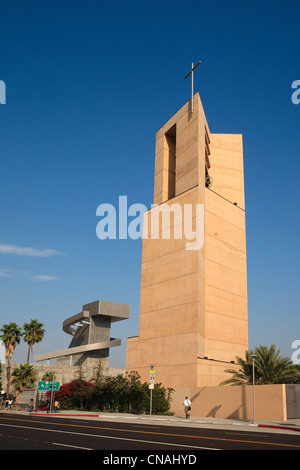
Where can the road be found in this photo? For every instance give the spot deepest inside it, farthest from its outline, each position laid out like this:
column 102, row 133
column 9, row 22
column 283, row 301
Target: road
column 22, row 432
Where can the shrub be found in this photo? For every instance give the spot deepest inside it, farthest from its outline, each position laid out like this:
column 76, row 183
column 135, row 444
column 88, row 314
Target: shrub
column 72, row 395
column 124, row 394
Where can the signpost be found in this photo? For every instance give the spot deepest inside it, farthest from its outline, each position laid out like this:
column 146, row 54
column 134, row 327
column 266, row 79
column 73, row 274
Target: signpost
column 151, row 385
column 46, row 386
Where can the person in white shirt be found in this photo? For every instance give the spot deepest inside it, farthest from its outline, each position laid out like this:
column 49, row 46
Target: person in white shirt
column 187, row 407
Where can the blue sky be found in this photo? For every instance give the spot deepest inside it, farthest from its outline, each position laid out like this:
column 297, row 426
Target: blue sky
column 87, row 86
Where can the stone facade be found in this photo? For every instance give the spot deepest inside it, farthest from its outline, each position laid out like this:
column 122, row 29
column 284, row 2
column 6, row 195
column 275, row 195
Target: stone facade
column 63, row 373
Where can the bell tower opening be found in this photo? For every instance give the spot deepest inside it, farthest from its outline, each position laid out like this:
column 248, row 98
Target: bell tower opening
column 170, row 148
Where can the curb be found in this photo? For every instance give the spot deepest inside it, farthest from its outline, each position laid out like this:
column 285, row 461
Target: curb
column 63, row 414
column 273, row 426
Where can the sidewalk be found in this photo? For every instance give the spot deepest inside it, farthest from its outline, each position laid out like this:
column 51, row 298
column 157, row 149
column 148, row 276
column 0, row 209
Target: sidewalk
column 203, row 422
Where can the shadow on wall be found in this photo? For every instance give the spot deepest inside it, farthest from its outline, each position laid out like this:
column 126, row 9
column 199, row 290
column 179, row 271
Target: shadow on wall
column 212, row 413
column 239, row 413
column 237, row 402
column 197, row 395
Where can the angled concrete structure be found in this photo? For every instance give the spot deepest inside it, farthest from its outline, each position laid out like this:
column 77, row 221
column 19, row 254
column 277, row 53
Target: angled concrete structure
column 91, row 334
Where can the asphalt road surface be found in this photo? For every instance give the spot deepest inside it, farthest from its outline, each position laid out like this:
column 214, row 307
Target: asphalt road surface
column 21, row 432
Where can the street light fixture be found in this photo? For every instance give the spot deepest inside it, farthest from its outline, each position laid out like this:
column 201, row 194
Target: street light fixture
column 253, row 356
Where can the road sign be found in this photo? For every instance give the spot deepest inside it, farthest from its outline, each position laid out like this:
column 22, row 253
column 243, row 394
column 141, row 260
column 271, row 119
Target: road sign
column 152, row 377
column 43, row 385
column 151, row 386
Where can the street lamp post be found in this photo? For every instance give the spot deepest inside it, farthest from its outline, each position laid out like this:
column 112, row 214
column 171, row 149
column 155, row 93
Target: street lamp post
column 253, row 356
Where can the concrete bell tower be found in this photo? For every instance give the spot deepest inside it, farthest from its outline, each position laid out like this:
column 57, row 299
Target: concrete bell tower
column 193, row 302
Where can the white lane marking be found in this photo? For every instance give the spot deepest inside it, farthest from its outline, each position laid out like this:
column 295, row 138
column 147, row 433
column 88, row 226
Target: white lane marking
column 69, row 445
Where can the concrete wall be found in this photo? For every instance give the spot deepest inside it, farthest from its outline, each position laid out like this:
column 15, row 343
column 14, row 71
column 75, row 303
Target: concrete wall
column 63, row 374
column 170, row 311
column 226, row 312
column 227, row 167
column 293, row 401
column 234, row 402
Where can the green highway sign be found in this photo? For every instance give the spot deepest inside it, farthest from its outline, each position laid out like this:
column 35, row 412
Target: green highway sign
column 42, row 385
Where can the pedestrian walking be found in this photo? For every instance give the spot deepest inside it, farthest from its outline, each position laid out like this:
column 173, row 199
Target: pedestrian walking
column 48, row 405
column 187, row 407
column 31, row 406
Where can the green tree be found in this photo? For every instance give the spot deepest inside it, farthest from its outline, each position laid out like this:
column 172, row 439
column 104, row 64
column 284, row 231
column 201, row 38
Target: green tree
column 161, row 399
column 298, row 368
column 98, row 376
column 23, row 377
column 127, row 394
column 33, row 333
column 269, row 368
column 11, row 336
column 138, row 393
column 114, row 392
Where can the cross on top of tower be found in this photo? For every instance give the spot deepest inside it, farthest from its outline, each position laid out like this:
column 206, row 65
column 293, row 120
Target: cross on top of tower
column 191, row 72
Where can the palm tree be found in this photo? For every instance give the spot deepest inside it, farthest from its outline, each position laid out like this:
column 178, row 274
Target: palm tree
column 33, row 333
column 24, row 377
column 273, row 368
column 11, row 336
column 48, row 377
column 270, row 368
